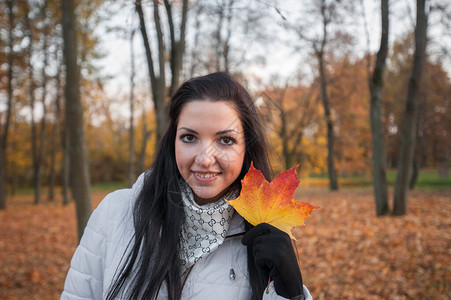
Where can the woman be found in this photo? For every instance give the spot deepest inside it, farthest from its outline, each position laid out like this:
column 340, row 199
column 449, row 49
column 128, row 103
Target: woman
column 172, row 235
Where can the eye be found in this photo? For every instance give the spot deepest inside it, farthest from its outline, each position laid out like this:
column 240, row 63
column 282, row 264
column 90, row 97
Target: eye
column 188, row 138
column 227, row 141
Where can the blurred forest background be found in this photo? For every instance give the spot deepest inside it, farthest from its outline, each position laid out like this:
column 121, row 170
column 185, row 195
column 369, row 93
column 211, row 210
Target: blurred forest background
column 356, row 91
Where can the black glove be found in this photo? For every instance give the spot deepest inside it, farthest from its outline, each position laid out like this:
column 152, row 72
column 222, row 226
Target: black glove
column 275, row 257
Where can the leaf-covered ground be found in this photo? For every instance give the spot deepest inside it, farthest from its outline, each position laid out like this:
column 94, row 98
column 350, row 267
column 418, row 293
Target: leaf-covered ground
column 348, row 253
column 345, row 252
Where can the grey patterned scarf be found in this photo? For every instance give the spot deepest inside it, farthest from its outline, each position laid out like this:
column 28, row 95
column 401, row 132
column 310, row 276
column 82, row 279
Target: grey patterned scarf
column 206, row 226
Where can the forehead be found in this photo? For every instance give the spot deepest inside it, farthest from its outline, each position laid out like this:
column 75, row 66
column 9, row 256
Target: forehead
column 218, row 115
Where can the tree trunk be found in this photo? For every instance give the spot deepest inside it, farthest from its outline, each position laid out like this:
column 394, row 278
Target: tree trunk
column 40, row 149
column 145, row 137
column 65, row 165
column 377, row 126
column 226, row 47
column 64, row 142
column 283, row 132
column 55, row 129
column 415, row 172
column 367, row 40
column 409, row 131
column 195, row 53
column 319, row 48
column 333, row 182
column 34, row 128
column 5, row 129
column 43, row 91
column 2, row 171
column 157, row 83
column 225, row 13
column 131, row 145
column 52, row 173
column 285, row 138
column 415, row 162
column 79, row 168
column 218, row 35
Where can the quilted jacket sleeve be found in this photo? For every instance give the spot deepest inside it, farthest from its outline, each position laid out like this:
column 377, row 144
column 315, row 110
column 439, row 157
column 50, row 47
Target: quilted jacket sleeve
column 85, row 277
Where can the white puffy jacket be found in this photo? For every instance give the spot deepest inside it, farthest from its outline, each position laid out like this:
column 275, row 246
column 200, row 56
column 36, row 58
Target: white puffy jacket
column 221, row 275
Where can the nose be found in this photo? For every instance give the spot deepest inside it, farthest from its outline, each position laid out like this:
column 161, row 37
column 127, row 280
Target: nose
column 206, row 157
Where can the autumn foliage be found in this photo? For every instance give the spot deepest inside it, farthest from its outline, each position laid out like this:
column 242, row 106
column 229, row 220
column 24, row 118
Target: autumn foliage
column 344, row 251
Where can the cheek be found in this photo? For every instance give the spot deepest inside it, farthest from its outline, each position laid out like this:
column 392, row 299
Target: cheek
column 240, row 159
column 233, row 160
column 180, row 157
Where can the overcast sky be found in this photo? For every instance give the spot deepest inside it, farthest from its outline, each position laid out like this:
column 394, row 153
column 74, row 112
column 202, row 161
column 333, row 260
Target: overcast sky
column 280, row 57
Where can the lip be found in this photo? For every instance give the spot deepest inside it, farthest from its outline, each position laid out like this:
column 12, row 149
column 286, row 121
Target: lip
column 205, row 176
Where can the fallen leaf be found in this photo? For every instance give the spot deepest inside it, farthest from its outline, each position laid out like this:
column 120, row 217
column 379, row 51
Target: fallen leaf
column 35, row 276
column 272, row 203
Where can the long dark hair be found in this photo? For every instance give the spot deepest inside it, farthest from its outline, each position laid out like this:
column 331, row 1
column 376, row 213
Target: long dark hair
column 158, row 213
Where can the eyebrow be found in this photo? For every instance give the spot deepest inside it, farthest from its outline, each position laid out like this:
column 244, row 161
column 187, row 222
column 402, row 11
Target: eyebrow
column 217, row 133
column 188, row 129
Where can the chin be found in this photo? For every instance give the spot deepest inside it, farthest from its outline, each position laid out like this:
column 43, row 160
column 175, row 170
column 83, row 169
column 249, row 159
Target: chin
column 206, row 196
column 202, row 196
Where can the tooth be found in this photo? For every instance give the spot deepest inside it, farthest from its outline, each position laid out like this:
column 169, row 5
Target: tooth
column 206, row 175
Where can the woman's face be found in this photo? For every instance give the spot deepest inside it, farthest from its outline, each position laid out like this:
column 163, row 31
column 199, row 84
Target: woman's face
column 209, row 148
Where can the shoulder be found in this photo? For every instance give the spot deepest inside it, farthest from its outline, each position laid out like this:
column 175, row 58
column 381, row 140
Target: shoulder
column 114, row 203
column 115, row 208
column 104, row 242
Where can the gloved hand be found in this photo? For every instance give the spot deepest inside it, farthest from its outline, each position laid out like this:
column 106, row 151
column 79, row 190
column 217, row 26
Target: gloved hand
column 275, row 257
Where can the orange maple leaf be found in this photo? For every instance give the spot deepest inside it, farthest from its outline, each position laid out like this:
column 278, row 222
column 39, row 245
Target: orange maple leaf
column 272, row 203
